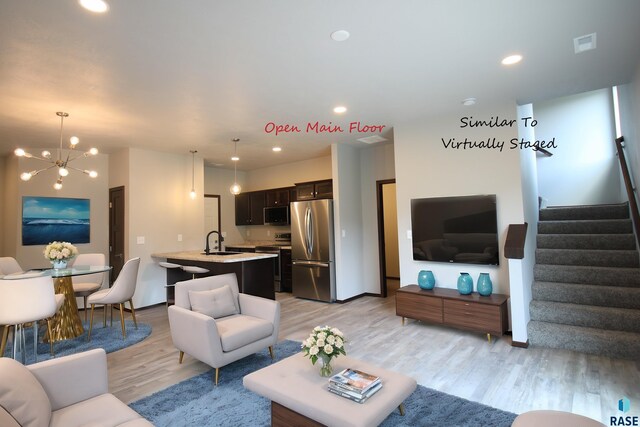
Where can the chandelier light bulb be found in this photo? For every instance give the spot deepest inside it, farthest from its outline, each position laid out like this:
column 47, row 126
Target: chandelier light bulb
column 58, row 184
column 46, row 154
column 19, row 152
column 93, row 151
column 25, row 176
column 63, row 171
column 74, row 141
column 93, row 174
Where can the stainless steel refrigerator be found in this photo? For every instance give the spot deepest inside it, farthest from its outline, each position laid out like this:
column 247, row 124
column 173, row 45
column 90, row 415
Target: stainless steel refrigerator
column 312, row 250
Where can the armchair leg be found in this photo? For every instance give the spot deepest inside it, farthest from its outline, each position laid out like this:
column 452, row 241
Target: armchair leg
column 181, row 356
column 124, row 334
column 401, row 409
column 217, row 374
column 271, row 352
column 133, row 313
column 5, row 335
column 91, row 322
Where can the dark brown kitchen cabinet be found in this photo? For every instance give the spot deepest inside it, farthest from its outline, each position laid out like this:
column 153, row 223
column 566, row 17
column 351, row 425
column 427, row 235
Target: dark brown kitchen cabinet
column 286, row 272
column 314, row 190
column 277, row 197
column 249, row 208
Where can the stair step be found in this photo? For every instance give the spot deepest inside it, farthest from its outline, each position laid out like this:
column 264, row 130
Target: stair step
column 613, row 211
column 599, row 226
column 604, row 276
column 590, row 316
column 588, row 257
column 577, row 293
column 616, row 344
column 586, row 241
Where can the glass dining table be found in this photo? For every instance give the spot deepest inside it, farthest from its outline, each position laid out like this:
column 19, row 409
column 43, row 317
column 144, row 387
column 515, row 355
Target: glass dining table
column 66, row 323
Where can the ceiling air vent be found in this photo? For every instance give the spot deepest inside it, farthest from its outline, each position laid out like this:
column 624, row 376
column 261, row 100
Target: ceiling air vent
column 584, row 43
column 372, row 139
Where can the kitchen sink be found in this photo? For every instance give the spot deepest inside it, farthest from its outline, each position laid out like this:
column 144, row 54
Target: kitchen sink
column 221, row 253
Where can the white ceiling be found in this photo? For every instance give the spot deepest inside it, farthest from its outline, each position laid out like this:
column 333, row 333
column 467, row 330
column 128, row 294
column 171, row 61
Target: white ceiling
column 179, row 75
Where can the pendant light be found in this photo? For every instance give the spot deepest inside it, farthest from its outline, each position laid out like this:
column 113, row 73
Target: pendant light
column 193, row 173
column 235, row 189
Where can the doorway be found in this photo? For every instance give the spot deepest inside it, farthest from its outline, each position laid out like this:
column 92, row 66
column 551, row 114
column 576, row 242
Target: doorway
column 388, row 236
column 116, row 231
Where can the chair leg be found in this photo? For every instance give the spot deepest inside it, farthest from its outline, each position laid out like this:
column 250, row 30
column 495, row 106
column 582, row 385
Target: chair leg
column 104, row 315
column 50, row 337
column 133, row 313
column 5, row 335
column 181, row 356
column 111, row 316
column 35, row 340
column 401, row 409
column 91, row 323
column 271, row 352
column 85, row 308
column 217, row 374
column 124, row 334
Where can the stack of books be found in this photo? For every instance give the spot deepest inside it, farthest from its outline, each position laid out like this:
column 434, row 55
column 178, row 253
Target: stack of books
column 354, row 384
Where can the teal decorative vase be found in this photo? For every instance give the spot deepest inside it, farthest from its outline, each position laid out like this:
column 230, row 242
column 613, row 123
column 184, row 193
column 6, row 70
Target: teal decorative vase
column 485, row 287
column 465, row 284
column 426, row 279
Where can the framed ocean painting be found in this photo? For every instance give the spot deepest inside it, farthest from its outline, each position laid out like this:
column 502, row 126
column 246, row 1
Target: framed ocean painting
column 48, row 219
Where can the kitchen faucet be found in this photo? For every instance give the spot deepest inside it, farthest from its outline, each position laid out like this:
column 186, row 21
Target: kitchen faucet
column 220, row 240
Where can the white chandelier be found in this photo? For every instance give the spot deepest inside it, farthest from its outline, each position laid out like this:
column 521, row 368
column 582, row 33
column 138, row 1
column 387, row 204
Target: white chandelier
column 62, row 161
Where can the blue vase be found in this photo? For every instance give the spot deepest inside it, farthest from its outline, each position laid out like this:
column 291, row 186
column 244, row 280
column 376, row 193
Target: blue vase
column 465, row 284
column 426, row 279
column 485, row 287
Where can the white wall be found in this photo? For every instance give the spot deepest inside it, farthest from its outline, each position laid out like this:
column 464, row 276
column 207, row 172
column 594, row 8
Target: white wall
column 347, row 206
column 217, row 181
column 376, row 163
column 583, row 169
column 288, row 174
column 424, row 168
column 160, row 208
column 629, row 101
column 76, row 185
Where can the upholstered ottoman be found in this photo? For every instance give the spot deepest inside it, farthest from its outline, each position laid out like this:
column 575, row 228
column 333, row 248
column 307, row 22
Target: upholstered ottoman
column 299, row 395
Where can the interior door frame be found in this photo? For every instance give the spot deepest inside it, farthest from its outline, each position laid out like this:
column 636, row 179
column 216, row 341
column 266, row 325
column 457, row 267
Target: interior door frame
column 116, row 267
column 381, row 241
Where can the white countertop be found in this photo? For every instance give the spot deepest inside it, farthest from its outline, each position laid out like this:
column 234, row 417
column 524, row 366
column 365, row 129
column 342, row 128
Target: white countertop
column 200, row 256
column 251, row 244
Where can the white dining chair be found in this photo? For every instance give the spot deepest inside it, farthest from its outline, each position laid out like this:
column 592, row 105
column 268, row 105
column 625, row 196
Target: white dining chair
column 85, row 285
column 122, row 291
column 9, row 265
column 23, row 301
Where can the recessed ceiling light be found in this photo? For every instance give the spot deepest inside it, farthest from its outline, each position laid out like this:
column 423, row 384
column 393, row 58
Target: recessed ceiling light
column 340, row 35
column 235, row 158
column 512, row 59
column 97, row 6
column 469, row 101
column 276, row 149
column 340, row 109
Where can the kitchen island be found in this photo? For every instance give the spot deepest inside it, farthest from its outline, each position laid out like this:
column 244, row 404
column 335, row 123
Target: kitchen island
column 254, row 270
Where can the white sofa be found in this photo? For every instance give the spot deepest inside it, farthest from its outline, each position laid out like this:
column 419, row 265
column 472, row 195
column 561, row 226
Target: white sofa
column 220, row 329
column 69, row 391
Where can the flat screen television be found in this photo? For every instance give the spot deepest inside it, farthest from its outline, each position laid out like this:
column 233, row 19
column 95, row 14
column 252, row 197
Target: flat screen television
column 455, row 229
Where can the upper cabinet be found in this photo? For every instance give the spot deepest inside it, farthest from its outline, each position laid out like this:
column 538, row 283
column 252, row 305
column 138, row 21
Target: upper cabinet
column 314, row 190
column 249, row 208
column 277, row 197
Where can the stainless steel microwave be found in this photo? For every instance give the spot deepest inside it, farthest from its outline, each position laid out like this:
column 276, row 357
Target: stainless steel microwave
column 278, row 215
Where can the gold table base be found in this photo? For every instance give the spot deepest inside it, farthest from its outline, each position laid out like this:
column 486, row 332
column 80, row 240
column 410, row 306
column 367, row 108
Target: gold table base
column 66, row 323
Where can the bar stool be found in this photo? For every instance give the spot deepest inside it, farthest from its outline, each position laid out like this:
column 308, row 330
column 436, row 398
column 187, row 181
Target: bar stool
column 169, row 286
column 193, row 270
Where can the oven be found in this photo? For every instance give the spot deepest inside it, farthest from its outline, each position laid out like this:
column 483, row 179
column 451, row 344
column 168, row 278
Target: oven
column 277, row 267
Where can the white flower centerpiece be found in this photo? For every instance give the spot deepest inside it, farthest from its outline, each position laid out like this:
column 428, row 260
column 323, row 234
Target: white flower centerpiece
column 60, row 253
column 324, row 343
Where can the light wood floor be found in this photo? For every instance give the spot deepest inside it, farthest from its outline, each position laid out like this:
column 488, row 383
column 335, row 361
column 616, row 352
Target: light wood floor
column 446, row 359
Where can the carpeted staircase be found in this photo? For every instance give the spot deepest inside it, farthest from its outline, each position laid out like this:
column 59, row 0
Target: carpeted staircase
column 586, row 290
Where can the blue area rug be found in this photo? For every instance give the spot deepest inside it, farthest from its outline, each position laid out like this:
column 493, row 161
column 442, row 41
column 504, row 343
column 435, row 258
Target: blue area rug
column 109, row 338
column 198, row 402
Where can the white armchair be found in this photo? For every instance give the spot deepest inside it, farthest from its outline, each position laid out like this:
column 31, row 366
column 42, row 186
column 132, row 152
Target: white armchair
column 217, row 325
